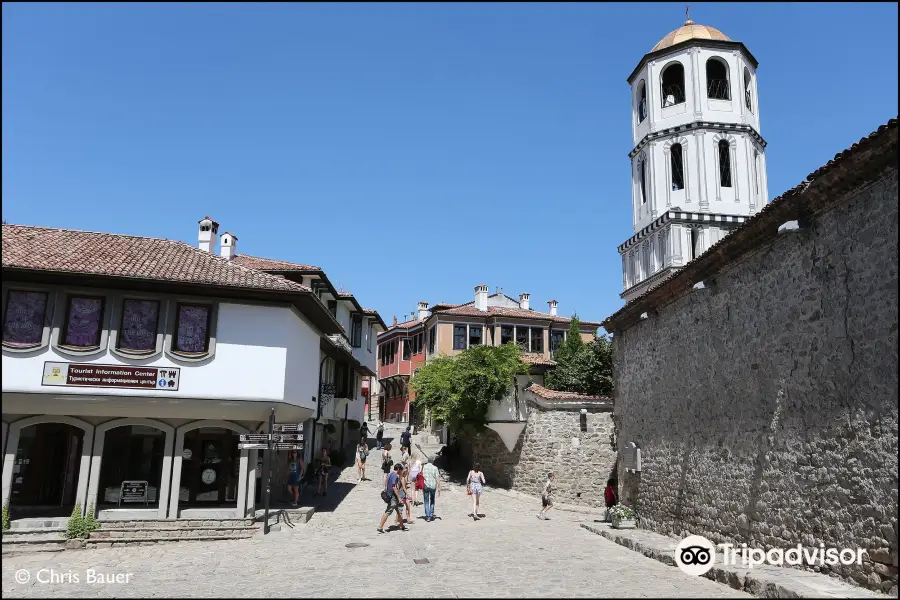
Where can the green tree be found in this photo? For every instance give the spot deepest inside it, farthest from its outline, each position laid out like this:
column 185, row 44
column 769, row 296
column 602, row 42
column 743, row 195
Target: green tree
column 585, row 368
column 460, row 389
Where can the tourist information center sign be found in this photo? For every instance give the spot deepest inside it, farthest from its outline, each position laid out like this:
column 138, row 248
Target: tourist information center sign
column 110, row 376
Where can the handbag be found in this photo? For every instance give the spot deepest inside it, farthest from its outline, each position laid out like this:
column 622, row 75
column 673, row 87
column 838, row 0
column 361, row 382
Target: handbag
column 468, row 490
column 384, row 496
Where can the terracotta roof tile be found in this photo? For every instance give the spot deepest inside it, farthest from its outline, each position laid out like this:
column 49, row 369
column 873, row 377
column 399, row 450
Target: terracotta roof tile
column 115, row 255
column 762, row 226
column 269, row 264
column 553, row 395
column 403, row 325
column 469, row 310
column 537, row 360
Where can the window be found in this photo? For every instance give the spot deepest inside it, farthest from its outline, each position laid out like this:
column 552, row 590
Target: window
column 724, row 163
column 23, row 323
column 370, row 335
column 673, row 85
column 522, row 338
column 695, row 243
column 474, row 335
column 332, row 308
column 84, row 321
column 191, row 328
column 756, row 172
column 642, row 167
column 137, row 331
column 356, row 330
column 459, row 337
column 557, row 338
column 717, row 79
column 642, row 102
column 407, row 349
column 676, row 157
column 392, row 352
column 645, row 259
column 506, row 335
column 747, row 100
column 432, row 339
column 537, row 339
column 661, row 248
column 418, row 342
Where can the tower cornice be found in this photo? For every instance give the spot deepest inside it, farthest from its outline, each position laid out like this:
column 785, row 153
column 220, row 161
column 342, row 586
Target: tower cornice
column 700, row 43
column 697, row 126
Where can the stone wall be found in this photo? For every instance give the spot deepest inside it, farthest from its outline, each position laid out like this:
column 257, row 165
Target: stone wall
column 552, row 440
column 766, row 405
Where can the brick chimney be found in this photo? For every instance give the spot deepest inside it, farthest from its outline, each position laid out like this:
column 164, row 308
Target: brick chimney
column 423, row 311
column 481, row 296
column 206, row 237
column 553, row 304
column 228, row 245
column 525, row 301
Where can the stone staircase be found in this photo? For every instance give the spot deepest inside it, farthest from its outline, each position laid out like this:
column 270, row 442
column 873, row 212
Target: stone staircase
column 50, row 535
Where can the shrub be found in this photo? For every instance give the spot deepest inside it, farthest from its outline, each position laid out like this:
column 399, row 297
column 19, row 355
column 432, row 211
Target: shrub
column 622, row 512
column 6, row 516
column 77, row 527
column 90, row 520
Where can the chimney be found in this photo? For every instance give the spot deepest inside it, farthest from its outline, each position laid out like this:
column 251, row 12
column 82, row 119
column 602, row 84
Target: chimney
column 228, row 245
column 207, row 234
column 423, row 311
column 481, row 296
column 553, row 304
column 395, row 320
column 524, row 300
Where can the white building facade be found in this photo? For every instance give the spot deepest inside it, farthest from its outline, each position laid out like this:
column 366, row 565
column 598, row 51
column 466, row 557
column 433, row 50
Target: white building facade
column 698, row 163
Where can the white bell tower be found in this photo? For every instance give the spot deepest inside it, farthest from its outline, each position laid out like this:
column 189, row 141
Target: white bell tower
column 698, row 165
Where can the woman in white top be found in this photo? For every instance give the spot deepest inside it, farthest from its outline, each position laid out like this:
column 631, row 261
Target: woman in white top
column 413, row 475
column 474, row 482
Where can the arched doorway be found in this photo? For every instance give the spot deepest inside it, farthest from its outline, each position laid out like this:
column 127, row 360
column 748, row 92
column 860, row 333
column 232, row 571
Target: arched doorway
column 45, row 472
column 131, row 453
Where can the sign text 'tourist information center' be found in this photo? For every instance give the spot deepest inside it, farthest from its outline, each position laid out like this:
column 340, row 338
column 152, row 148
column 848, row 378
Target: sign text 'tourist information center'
column 110, row 376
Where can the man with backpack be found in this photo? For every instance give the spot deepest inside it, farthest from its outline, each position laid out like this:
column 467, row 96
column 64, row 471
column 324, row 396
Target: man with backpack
column 405, row 438
column 391, row 496
column 379, row 435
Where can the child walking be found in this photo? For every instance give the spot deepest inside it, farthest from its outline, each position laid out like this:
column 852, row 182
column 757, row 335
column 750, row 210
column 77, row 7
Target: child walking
column 546, row 498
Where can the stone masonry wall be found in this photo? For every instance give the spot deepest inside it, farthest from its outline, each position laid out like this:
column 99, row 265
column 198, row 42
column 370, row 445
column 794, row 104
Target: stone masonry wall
column 552, row 440
column 766, row 407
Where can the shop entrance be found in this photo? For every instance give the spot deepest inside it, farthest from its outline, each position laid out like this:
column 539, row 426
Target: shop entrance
column 210, row 469
column 131, row 453
column 45, row 471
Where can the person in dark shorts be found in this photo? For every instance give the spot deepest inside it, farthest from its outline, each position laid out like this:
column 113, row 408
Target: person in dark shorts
column 295, row 476
column 392, row 495
column 546, row 498
column 386, row 463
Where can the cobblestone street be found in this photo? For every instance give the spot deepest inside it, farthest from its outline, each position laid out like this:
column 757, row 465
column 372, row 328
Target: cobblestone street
column 509, row 553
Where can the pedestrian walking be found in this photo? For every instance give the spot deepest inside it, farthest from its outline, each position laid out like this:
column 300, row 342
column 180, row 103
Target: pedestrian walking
column 414, row 473
column 386, row 463
column 362, row 452
column 379, row 435
column 322, row 468
column 432, row 487
column 404, row 492
column 546, row 498
column 474, row 483
column 364, row 431
column 391, row 496
column 609, row 496
column 406, row 438
column 404, row 456
column 295, row 476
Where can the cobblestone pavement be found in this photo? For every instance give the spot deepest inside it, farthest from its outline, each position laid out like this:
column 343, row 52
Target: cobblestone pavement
column 509, row 553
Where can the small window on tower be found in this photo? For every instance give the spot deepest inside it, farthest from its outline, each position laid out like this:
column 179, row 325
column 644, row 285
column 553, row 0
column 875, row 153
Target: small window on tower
column 717, row 79
column 724, row 164
column 642, row 102
column 676, row 156
column 642, row 168
column 747, row 99
column 673, row 85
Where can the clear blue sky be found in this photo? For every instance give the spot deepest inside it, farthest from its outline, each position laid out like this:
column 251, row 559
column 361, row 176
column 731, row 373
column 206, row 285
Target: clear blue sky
column 412, row 150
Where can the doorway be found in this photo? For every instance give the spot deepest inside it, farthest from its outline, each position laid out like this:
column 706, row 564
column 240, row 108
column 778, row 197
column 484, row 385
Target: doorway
column 210, row 469
column 46, row 470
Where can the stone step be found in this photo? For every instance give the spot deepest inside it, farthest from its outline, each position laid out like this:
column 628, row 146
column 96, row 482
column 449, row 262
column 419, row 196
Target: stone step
column 11, row 549
column 171, row 532
column 24, row 531
column 39, row 523
column 174, row 523
column 34, row 537
column 139, row 541
column 292, row 516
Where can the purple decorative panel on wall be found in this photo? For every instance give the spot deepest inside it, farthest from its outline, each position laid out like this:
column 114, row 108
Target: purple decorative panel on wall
column 139, row 322
column 85, row 319
column 25, row 312
column 193, row 324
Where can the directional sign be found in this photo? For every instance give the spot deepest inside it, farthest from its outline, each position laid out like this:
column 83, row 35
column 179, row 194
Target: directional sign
column 287, row 428
column 253, row 437
column 289, row 446
column 252, row 446
column 287, row 437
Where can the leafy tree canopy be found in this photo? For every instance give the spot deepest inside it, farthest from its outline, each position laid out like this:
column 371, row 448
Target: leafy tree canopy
column 582, row 367
column 460, row 389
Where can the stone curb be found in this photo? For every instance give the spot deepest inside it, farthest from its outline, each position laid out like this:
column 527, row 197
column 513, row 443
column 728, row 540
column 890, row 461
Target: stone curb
column 765, row 581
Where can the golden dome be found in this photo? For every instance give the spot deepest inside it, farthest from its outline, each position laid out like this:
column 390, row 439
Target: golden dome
column 689, row 31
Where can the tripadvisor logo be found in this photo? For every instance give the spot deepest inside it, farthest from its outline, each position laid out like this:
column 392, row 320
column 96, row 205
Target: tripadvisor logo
column 695, row 555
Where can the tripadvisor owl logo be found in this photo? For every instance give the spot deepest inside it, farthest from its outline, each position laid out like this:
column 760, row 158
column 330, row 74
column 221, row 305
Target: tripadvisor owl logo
column 695, row 555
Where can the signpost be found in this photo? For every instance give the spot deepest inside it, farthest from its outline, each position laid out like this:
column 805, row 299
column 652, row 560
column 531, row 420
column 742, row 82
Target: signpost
column 283, row 436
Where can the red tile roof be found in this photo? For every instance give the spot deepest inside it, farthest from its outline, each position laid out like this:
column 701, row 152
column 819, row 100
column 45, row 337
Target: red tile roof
column 863, row 162
column 537, row 360
column 553, row 395
column 128, row 256
column 469, row 310
column 269, row 264
column 403, row 325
